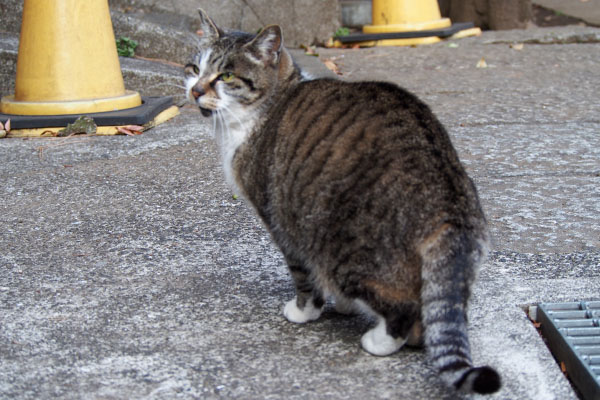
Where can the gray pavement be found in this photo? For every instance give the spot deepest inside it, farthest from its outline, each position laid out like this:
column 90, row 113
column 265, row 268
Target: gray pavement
column 128, row 271
column 586, row 10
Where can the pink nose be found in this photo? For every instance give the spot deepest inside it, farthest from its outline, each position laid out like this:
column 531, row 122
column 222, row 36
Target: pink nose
column 197, row 93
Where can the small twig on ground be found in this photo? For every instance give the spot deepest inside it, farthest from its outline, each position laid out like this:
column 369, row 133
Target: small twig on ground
column 62, row 142
column 160, row 60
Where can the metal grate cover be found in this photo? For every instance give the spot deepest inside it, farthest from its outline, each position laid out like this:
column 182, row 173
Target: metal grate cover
column 573, row 334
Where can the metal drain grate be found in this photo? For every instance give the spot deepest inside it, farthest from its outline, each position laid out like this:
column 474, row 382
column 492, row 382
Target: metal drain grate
column 573, row 334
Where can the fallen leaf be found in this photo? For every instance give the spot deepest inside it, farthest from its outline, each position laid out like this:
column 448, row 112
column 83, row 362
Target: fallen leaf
column 452, row 45
column 135, row 128
column 82, row 125
column 332, row 66
column 517, row 46
column 7, row 126
column 309, row 50
column 481, row 63
column 563, row 367
column 125, row 131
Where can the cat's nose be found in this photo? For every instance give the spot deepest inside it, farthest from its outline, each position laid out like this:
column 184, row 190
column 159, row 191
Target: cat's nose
column 197, row 92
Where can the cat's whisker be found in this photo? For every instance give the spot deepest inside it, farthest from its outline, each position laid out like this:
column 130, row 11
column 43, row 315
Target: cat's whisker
column 214, row 121
column 223, row 133
column 237, row 119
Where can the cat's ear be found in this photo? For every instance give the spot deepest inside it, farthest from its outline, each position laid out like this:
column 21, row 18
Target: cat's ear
column 266, row 46
column 208, row 27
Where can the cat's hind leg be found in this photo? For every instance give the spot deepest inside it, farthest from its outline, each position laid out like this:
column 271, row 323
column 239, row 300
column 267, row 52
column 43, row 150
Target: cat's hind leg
column 308, row 303
column 394, row 327
column 379, row 342
column 345, row 306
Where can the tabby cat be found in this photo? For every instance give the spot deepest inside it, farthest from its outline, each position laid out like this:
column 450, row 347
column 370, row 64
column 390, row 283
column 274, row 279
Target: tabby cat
column 361, row 189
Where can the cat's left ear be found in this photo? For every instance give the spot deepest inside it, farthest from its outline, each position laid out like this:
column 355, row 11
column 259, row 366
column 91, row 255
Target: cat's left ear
column 266, row 46
column 208, row 27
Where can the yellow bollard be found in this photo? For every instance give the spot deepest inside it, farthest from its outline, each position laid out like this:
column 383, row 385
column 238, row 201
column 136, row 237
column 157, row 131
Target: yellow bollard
column 67, row 61
column 406, row 23
column 406, row 16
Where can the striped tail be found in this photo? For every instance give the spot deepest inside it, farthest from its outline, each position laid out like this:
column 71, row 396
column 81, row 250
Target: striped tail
column 449, row 262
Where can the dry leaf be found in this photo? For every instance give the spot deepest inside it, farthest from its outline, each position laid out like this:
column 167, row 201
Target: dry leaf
column 130, row 130
column 135, row 128
column 309, row 50
column 481, row 63
column 332, row 66
column 82, row 125
column 563, row 367
column 124, row 131
column 517, row 46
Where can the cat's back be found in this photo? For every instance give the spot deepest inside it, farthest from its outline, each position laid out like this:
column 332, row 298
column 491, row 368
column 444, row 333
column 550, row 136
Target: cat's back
column 358, row 154
column 336, row 122
column 367, row 137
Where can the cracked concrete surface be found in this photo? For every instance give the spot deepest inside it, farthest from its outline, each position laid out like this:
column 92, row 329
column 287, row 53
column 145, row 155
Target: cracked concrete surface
column 128, row 271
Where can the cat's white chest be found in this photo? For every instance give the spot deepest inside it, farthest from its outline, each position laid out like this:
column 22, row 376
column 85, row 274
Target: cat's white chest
column 234, row 134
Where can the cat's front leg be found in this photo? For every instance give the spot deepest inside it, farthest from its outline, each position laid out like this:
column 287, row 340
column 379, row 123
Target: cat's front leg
column 308, row 303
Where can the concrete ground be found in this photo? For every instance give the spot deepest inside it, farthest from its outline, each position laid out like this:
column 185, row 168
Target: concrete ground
column 128, row 271
column 586, row 10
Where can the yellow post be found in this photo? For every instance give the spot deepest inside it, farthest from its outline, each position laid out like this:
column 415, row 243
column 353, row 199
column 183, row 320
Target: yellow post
column 406, row 16
column 67, row 61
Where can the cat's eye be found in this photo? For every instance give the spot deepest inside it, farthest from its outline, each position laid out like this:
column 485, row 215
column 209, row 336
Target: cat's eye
column 227, row 77
column 191, row 69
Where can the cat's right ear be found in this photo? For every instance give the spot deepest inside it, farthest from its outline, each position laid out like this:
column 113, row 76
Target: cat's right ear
column 266, row 47
column 208, row 27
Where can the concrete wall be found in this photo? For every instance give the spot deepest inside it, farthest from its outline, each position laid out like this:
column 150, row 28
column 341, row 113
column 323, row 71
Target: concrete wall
column 303, row 21
column 163, row 28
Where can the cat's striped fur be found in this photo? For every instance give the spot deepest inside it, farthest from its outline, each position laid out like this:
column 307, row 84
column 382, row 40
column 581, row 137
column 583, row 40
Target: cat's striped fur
column 361, row 189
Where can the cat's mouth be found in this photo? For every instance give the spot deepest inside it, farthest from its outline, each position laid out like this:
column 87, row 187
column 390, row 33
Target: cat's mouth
column 205, row 111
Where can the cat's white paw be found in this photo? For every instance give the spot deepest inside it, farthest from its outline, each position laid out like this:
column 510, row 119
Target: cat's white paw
column 379, row 343
column 298, row 316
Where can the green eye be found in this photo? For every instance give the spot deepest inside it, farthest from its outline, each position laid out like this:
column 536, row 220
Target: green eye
column 227, row 77
column 191, row 69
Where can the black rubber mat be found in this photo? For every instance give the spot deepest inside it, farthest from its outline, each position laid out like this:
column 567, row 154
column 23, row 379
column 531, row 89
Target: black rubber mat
column 150, row 108
column 368, row 37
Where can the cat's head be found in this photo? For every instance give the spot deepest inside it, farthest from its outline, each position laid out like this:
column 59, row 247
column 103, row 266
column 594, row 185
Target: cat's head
column 234, row 70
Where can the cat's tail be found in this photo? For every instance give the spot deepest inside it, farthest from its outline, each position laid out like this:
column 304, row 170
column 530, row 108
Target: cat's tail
column 450, row 259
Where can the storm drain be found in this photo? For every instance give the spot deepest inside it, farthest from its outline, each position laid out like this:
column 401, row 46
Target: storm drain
column 572, row 331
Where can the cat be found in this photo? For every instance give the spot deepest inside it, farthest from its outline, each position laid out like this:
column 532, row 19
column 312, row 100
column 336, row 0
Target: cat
column 360, row 188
